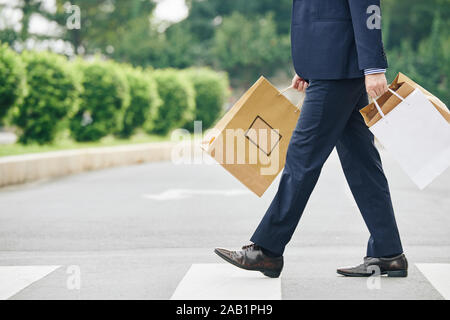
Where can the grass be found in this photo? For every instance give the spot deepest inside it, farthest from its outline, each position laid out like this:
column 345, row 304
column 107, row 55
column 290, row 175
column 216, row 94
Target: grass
column 69, row 144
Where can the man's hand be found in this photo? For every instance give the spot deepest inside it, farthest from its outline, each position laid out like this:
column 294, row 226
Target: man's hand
column 299, row 84
column 376, row 84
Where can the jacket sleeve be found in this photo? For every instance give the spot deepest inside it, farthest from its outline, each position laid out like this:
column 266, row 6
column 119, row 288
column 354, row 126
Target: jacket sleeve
column 367, row 29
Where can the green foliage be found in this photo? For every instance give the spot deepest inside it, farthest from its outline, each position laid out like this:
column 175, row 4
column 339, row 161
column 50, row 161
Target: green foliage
column 178, row 95
column 144, row 100
column 246, row 38
column 8, row 36
column 203, row 14
column 181, row 50
column 412, row 20
column 104, row 98
column 28, row 8
column 429, row 64
column 104, row 23
column 142, row 46
column 53, row 94
column 100, row 98
column 211, row 90
column 250, row 47
column 12, row 80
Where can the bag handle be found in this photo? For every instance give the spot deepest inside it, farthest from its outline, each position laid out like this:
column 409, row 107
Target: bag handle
column 289, row 88
column 378, row 106
column 396, row 94
column 379, row 109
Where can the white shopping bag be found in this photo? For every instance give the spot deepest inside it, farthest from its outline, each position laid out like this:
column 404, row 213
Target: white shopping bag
column 417, row 136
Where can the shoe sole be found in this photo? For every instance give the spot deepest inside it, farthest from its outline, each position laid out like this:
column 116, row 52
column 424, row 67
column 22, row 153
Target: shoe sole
column 390, row 274
column 267, row 273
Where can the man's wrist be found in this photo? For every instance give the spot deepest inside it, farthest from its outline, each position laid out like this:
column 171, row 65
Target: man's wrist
column 374, row 71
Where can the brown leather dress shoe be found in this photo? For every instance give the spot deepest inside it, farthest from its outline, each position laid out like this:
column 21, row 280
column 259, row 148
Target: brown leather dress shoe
column 392, row 267
column 252, row 258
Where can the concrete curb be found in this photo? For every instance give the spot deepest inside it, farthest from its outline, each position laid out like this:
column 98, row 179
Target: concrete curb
column 32, row 167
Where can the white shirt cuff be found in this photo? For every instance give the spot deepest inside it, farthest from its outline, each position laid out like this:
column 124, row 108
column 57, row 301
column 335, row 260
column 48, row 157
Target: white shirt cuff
column 374, row 70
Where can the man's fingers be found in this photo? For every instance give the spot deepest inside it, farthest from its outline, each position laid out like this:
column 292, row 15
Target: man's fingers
column 299, row 84
column 372, row 94
column 296, row 82
column 382, row 89
column 305, row 85
column 378, row 91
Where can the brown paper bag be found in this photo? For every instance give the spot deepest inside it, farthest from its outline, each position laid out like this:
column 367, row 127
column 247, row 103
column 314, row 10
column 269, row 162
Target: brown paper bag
column 404, row 86
column 251, row 140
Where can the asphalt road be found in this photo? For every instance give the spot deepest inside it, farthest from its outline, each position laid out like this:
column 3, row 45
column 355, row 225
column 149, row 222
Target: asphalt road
column 134, row 232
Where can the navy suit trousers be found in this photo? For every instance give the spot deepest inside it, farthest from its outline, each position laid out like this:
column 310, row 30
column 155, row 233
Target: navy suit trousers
column 330, row 118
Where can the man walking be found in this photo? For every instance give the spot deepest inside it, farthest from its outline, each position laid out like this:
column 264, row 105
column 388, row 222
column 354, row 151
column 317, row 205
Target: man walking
column 339, row 59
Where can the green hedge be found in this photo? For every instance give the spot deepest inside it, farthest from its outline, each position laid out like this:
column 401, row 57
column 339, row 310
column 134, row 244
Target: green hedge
column 178, row 95
column 45, row 94
column 104, row 98
column 211, row 90
column 12, row 80
column 144, row 102
column 52, row 95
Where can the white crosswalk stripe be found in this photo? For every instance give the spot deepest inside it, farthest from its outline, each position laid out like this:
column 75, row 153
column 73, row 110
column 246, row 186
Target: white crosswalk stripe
column 177, row 194
column 14, row 279
column 226, row 282
column 439, row 276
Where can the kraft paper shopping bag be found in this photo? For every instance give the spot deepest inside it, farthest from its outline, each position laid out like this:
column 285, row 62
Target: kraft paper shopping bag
column 251, row 140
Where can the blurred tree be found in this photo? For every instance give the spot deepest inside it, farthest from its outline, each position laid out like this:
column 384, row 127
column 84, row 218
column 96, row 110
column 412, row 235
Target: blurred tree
column 28, row 8
column 204, row 16
column 8, row 36
column 124, row 31
column 247, row 48
column 104, row 23
column 142, row 46
column 412, row 20
column 429, row 63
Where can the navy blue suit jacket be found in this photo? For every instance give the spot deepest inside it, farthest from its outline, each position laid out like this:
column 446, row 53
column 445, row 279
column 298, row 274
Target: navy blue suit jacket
column 331, row 39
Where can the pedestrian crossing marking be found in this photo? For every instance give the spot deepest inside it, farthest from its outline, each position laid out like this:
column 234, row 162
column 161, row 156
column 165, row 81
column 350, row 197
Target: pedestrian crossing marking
column 438, row 274
column 226, row 282
column 14, row 279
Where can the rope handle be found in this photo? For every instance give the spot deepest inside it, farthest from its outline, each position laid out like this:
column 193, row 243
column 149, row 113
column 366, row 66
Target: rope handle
column 286, row 89
column 299, row 105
